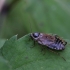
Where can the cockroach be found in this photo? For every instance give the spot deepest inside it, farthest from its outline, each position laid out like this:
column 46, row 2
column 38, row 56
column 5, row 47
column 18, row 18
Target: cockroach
column 51, row 41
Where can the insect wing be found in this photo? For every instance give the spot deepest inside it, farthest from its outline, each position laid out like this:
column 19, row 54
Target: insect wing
column 50, row 42
column 45, row 39
column 56, row 46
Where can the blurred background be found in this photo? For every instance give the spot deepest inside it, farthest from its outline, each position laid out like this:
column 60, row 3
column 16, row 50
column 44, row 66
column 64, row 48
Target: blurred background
column 26, row 16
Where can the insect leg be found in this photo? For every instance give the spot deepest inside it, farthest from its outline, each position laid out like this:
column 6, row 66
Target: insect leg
column 43, row 50
column 43, row 47
column 30, row 38
column 34, row 42
column 57, row 54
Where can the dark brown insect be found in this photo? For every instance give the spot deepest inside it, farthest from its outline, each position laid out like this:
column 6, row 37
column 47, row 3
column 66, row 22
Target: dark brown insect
column 49, row 40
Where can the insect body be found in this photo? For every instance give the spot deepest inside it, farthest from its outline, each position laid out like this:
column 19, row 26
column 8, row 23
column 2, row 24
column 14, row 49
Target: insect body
column 51, row 41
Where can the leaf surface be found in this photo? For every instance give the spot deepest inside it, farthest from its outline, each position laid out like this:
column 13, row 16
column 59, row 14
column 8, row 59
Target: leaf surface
column 21, row 56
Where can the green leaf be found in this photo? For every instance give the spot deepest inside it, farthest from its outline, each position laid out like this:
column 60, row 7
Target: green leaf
column 4, row 64
column 21, row 56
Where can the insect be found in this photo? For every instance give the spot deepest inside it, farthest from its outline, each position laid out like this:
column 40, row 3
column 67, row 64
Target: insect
column 51, row 41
